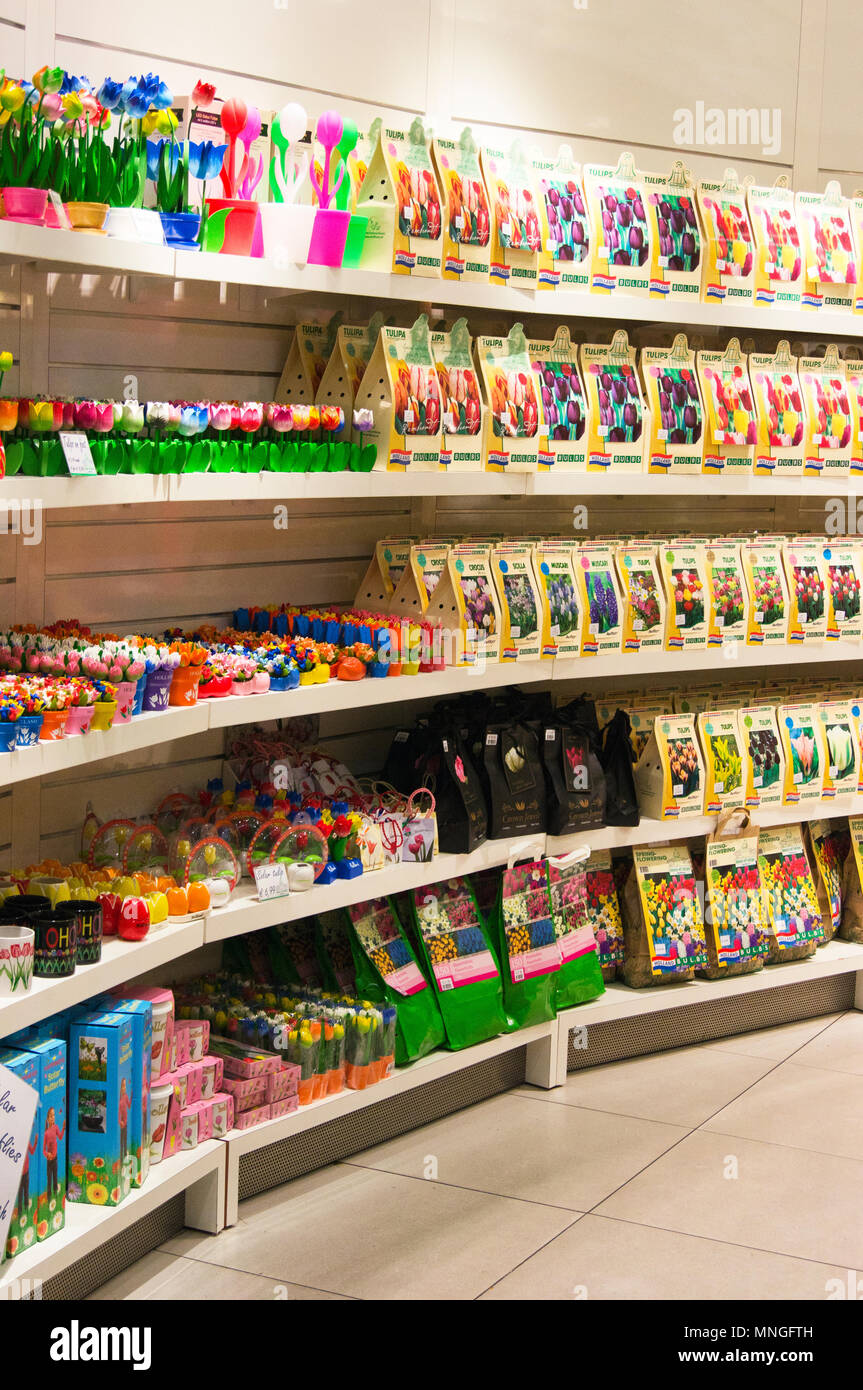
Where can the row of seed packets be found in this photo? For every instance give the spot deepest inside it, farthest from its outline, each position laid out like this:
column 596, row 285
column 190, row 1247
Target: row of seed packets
column 728, row 747
column 530, row 597
column 442, row 401
column 447, row 208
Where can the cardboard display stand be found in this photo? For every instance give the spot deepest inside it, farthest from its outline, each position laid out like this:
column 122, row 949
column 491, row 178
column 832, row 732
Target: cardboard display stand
column 308, row 355
column 729, row 261
column 467, row 216
column 390, row 559
column 342, row 378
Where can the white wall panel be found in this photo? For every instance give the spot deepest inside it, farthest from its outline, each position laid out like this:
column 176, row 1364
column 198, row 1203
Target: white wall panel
column 12, row 38
column 841, row 150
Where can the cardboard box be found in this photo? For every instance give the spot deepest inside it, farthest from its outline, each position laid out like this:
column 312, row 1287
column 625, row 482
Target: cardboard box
column 101, row 1101
column 22, row 1228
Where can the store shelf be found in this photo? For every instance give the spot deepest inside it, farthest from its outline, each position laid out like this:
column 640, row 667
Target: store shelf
column 88, row 1227
column 121, row 962
column 55, row 494
column 560, row 483
column 245, row 913
column 76, row 251
column 717, row 660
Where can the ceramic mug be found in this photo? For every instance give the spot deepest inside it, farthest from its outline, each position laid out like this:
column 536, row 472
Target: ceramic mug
column 56, row 945
column 56, row 890
column 87, row 916
column 16, row 958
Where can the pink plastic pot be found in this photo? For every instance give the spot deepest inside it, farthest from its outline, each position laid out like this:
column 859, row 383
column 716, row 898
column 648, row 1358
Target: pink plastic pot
column 126, row 692
column 79, row 720
column 25, row 205
column 261, row 682
column 242, row 687
column 329, row 235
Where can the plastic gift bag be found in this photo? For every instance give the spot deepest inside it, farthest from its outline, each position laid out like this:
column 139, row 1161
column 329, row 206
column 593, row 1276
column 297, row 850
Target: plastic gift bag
column 580, row 974
column 621, row 804
column 456, row 947
column 387, row 973
column 528, row 949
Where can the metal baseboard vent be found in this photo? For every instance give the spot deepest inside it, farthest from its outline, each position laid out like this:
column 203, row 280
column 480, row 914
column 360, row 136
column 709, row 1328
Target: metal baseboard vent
column 118, row 1253
column 293, row 1157
column 694, row 1023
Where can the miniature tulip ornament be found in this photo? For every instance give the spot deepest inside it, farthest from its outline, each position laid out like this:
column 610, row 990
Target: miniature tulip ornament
column 233, row 117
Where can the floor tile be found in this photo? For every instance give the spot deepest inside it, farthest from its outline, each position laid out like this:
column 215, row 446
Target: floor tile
column 142, row 1279
column 778, row 1043
column 804, row 1107
column 170, row 1278
column 379, row 1236
column 603, row 1259
column 683, row 1087
column 785, row 1200
column 839, row 1047
column 521, row 1148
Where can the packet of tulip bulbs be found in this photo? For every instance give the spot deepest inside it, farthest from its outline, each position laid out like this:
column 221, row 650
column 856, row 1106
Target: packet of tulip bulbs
column 790, row 899
column 731, row 427
column 603, row 913
column 400, row 196
column 527, row 946
column 600, row 600
column 519, row 602
column 387, row 972
column 461, row 411
column 580, row 974
column 778, row 396
column 851, row 925
column 467, row 219
column 306, row 362
column 663, row 925
column 722, row 757
column 349, row 357
column 669, row 775
column 803, row 743
column 854, row 386
column 736, row 926
column 516, row 228
column 563, row 415
column 467, row 596
column 778, row 253
column 641, row 722
column 456, row 945
column 388, row 563
column 807, row 579
column 564, row 253
column 827, row 845
column 620, row 235
column 615, row 436
column 845, row 574
column 842, row 764
column 510, row 393
column 675, row 414
column 400, row 387
column 767, row 591
column 675, row 241
column 726, row 590
column 829, row 424
column 728, row 244
column 830, row 267
column 764, row 757
column 643, row 597
column 419, row 578
column 554, row 566
column 683, row 567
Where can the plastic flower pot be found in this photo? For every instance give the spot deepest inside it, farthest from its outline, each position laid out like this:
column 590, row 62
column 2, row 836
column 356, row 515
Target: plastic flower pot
column 135, row 224
column 213, row 689
column 7, row 735
column 25, row 205
column 158, row 688
column 126, row 695
column 242, row 687
column 261, row 682
column 379, row 668
column 181, row 229
column 53, row 725
column 88, row 217
column 329, row 235
column 289, row 682
column 356, row 240
column 230, row 235
column 103, row 714
column 140, row 689
column 79, row 720
column 184, row 686
column 27, row 729
column 287, row 229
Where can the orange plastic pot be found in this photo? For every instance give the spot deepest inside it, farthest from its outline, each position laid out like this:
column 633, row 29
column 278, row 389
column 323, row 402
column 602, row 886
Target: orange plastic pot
column 184, row 686
column 306, row 1090
column 53, row 724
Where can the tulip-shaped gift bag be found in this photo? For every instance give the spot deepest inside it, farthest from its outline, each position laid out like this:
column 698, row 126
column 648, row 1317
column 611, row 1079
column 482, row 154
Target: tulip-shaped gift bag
column 400, row 197
column 400, row 387
column 461, row 408
column 510, row 391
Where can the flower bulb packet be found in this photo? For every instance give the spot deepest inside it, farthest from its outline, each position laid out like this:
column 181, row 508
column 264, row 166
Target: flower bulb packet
column 386, row 567
column 454, row 940
column 564, row 257
column 342, row 378
column 805, row 749
column 643, row 598
column 519, row 602
column 722, row 755
column 600, row 600
column 516, row 226
column 306, row 363
column 826, row 846
column 844, row 561
column 790, row 899
column 603, row 912
column 841, row 740
column 461, row 408
column 854, row 386
column 620, row 234
column 727, row 593
column 467, row 214
column 400, row 196
column 616, row 434
column 664, row 924
column 669, row 775
column 764, row 756
column 683, row 566
column 737, row 929
column 829, row 423
column 767, row 591
column 830, row 264
column 675, row 240
column 529, row 950
column 642, row 718
column 580, row 975
column 675, row 412
column 563, row 430
column 400, row 386
column 727, row 394
column 477, row 606
column 851, row 925
column 778, row 249
column 427, row 561
column 555, row 565
column 511, row 395
column 807, row 578
column 728, row 273
column 778, row 396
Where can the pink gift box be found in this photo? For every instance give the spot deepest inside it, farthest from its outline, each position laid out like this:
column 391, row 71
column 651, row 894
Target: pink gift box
column 197, row 1036
column 189, row 1127
column 223, row 1114
column 179, row 1048
column 243, row 1061
column 284, row 1106
column 192, row 1073
column 249, row 1118
column 283, row 1083
column 180, row 1081
column 173, row 1133
column 247, row 1092
column 204, row 1111
column 212, row 1075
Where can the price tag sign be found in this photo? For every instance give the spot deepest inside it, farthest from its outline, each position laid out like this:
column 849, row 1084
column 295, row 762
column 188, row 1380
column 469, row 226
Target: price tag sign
column 18, row 1103
column 271, row 881
column 76, row 451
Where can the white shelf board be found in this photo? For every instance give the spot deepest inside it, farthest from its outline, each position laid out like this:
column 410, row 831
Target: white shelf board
column 620, row 1001
column 55, row 494
column 680, row 664
column 79, row 251
column 245, row 913
column 121, row 961
column 88, row 1227
column 563, row 483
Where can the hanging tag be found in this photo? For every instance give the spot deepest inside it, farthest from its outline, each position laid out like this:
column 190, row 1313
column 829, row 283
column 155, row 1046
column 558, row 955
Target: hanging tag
column 76, row 451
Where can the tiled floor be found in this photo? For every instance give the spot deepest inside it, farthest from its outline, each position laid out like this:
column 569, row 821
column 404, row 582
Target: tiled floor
column 723, row 1170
